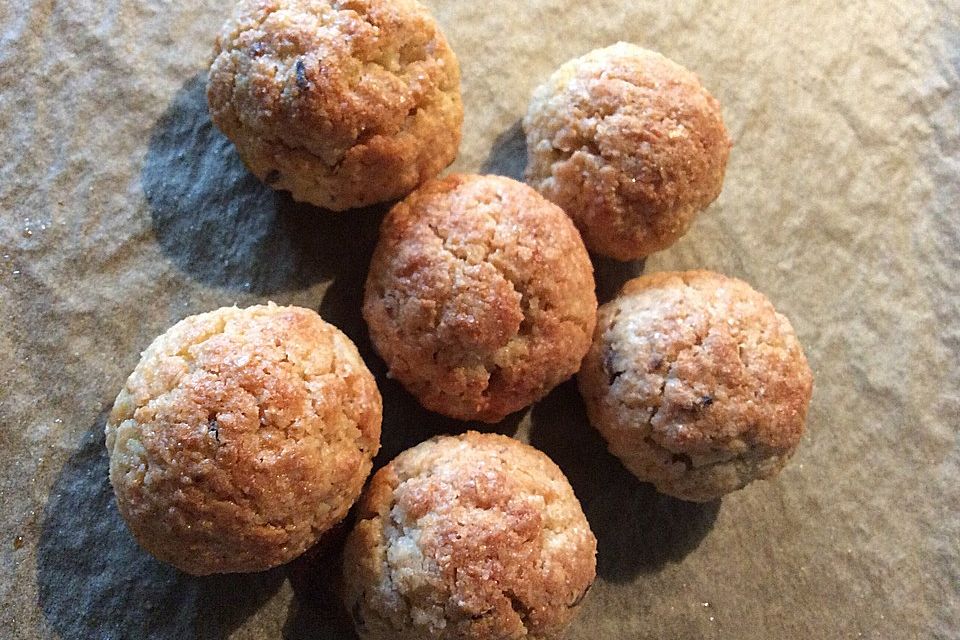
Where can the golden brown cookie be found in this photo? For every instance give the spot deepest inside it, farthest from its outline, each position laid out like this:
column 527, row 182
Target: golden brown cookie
column 697, row 383
column 344, row 104
column 630, row 145
column 242, row 436
column 480, row 296
column 471, row 537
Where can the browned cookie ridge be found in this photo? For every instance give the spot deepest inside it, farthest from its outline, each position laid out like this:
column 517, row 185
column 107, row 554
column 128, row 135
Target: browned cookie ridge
column 630, row 145
column 480, row 296
column 696, row 382
column 471, row 537
column 344, row 104
column 241, row 436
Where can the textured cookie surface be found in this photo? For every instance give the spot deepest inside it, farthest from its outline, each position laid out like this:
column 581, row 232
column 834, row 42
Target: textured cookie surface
column 476, row 537
column 343, row 104
column 630, row 145
column 241, row 436
column 480, row 296
column 696, row 382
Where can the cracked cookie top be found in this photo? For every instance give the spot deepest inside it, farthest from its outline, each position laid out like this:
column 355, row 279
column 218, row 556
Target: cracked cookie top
column 477, row 536
column 343, row 104
column 696, row 382
column 480, row 296
column 241, row 436
column 630, row 145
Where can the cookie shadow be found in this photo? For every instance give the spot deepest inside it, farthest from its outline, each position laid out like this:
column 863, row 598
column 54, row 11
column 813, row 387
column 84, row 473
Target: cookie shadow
column 94, row 581
column 611, row 275
column 407, row 424
column 638, row 530
column 317, row 613
column 508, row 156
column 220, row 225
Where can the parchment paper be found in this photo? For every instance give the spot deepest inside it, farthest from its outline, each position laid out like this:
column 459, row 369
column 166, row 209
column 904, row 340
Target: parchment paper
column 123, row 211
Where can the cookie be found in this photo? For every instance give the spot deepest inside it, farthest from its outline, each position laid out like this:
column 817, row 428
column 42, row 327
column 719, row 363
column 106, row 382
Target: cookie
column 696, row 382
column 477, row 536
column 343, row 104
column 241, row 436
column 480, row 296
column 630, row 145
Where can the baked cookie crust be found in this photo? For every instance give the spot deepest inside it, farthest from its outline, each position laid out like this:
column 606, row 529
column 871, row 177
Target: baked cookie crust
column 241, row 436
column 477, row 537
column 696, row 382
column 343, row 104
column 630, row 145
column 480, row 296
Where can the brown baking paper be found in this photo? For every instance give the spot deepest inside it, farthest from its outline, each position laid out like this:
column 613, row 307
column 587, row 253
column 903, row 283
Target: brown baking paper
column 124, row 210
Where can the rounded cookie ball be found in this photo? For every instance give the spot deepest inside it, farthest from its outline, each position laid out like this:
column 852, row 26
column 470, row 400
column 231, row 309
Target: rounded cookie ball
column 697, row 384
column 630, row 145
column 480, row 296
column 242, row 436
column 344, row 104
column 471, row 537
